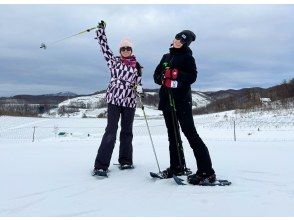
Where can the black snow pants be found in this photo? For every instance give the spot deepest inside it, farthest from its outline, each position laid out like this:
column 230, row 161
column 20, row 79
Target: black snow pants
column 185, row 120
column 109, row 138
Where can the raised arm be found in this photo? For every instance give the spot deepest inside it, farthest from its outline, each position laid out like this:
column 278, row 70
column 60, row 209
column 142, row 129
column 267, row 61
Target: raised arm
column 107, row 53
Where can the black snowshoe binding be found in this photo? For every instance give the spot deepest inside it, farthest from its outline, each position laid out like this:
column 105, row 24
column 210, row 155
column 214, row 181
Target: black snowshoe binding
column 100, row 172
column 177, row 172
column 169, row 173
column 203, row 179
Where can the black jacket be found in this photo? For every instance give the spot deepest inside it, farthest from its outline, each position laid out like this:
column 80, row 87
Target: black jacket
column 182, row 60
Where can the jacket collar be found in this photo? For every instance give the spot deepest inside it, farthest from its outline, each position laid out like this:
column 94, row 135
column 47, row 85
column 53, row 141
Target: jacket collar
column 183, row 50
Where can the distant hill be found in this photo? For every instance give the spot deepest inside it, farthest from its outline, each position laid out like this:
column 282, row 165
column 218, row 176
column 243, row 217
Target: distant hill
column 87, row 105
column 63, row 94
column 32, row 105
column 203, row 102
column 52, row 99
column 280, row 95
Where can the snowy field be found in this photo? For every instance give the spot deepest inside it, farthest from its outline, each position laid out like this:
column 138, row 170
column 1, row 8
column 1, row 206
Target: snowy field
column 51, row 176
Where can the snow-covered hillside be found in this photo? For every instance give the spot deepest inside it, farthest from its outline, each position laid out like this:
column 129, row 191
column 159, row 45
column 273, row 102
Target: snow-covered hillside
column 94, row 105
column 92, row 101
column 200, row 99
column 51, row 176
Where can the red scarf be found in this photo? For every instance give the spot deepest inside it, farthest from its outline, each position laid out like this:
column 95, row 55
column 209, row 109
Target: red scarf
column 129, row 61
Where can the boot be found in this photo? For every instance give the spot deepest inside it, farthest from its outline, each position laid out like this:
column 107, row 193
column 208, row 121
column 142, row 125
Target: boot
column 126, row 166
column 99, row 172
column 169, row 172
column 199, row 178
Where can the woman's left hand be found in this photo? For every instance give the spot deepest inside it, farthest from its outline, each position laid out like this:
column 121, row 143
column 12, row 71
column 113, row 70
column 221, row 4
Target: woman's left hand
column 102, row 24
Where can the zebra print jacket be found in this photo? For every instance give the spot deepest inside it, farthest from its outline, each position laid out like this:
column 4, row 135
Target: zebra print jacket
column 121, row 89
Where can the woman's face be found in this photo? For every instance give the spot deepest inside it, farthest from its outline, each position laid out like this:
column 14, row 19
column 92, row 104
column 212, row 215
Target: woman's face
column 125, row 51
column 177, row 43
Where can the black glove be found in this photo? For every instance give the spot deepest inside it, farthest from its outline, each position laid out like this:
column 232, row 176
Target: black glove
column 102, row 24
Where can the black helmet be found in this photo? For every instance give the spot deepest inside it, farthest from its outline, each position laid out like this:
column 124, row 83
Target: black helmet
column 186, row 37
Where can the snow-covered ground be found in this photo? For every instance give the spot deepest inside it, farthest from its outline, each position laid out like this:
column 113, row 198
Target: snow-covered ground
column 51, row 176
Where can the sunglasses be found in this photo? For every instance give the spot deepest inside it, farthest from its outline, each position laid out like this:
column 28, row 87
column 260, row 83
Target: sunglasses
column 182, row 38
column 125, row 49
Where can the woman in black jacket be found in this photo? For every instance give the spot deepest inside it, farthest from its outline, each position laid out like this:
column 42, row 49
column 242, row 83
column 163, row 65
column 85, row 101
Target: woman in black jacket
column 175, row 73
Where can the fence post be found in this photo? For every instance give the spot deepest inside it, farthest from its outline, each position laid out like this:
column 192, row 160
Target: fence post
column 34, row 133
column 234, row 130
column 55, row 130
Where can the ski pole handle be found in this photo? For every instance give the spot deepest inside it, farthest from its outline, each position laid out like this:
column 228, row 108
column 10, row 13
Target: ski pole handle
column 165, row 65
column 102, row 24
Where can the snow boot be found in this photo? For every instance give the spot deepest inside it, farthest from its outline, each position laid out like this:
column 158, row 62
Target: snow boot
column 200, row 178
column 99, row 172
column 169, row 172
column 126, row 166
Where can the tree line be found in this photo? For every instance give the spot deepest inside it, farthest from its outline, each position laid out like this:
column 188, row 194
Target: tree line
column 251, row 98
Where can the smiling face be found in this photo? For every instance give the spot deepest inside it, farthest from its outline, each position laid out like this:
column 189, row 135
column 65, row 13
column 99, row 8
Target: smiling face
column 177, row 43
column 125, row 51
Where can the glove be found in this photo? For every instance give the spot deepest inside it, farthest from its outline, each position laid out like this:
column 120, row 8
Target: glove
column 171, row 73
column 102, row 24
column 168, row 83
column 139, row 89
column 174, row 73
column 167, row 73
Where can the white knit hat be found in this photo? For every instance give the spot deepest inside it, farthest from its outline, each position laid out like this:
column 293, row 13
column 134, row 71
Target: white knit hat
column 126, row 43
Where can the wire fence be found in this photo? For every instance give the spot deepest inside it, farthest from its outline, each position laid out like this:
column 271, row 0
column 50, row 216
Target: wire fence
column 225, row 130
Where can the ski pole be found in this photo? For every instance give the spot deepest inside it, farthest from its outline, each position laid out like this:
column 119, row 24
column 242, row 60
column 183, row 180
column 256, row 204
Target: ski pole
column 147, row 125
column 44, row 46
column 176, row 127
column 175, row 121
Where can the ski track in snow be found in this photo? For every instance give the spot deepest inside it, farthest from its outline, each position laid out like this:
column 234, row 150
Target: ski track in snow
column 82, row 213
column 81, row 192
column 259, row 172
column 261, row 181
column 15, row 210
column 41, row 193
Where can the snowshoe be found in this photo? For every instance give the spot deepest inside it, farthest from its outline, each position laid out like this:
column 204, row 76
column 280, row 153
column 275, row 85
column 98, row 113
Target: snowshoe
column 178, row 180
column 217, row 182
column 206, row 180
column 157, row 175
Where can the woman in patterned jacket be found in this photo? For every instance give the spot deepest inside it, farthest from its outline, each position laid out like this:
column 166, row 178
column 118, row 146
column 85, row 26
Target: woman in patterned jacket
column 121, row 97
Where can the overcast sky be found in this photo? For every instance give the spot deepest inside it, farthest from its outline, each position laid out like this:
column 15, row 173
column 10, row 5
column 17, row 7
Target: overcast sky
column 237, row 46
